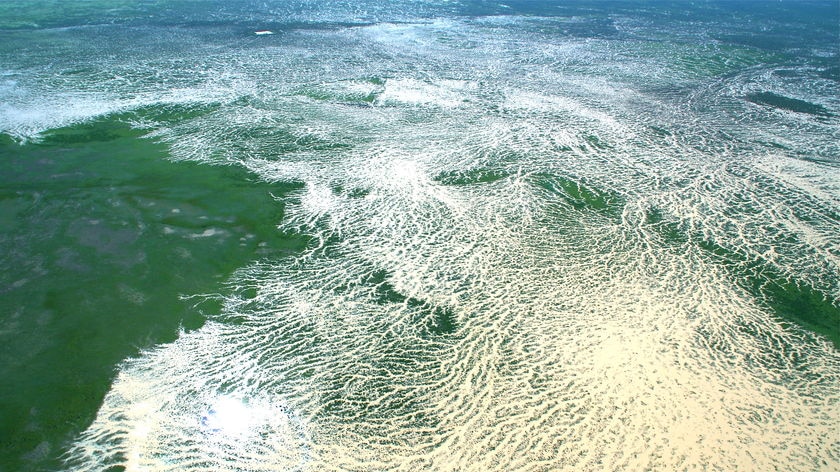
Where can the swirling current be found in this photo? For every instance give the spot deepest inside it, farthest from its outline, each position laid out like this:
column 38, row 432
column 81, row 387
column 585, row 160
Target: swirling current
column 537, row 235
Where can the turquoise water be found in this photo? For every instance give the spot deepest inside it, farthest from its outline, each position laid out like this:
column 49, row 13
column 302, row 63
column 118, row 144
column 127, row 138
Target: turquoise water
column 419, row 236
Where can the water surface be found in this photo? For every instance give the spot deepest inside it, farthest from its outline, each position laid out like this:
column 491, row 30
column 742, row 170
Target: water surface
column 419, row 236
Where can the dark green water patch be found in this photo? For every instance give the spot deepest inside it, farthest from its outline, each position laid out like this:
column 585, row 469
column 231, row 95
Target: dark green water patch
column 6, row 140
column 579, row 195
column 375, row 80
column 355, row 192
column 774, row 145
column 100, row 239
column 786, row 103
column 668, row 230
column 383, row 291
column 791, row 301
column 432, row 320
column 472, row 176
column 439, row 320
column 659, row 131
column 804, row 306
column 358, row 193
column 595, row 142
column 788, row 299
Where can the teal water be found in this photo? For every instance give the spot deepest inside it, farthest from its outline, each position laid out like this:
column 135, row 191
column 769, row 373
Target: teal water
column 419, row 236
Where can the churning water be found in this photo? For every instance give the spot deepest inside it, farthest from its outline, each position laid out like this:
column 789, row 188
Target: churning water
column 453, row 235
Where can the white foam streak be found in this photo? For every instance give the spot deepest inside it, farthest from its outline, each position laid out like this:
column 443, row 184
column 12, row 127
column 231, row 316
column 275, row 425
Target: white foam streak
column 26, row 121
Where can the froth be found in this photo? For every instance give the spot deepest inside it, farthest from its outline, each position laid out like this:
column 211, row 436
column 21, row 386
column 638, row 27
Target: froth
column 506, row 276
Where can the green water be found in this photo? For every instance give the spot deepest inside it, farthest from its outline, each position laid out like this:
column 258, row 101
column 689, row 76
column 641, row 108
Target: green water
column 100, row 236
column 539, row 235
column 787, row 103
column 791, row 301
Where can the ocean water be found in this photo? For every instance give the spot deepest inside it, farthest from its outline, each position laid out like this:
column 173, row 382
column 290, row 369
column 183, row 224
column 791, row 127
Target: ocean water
column 419, row 235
